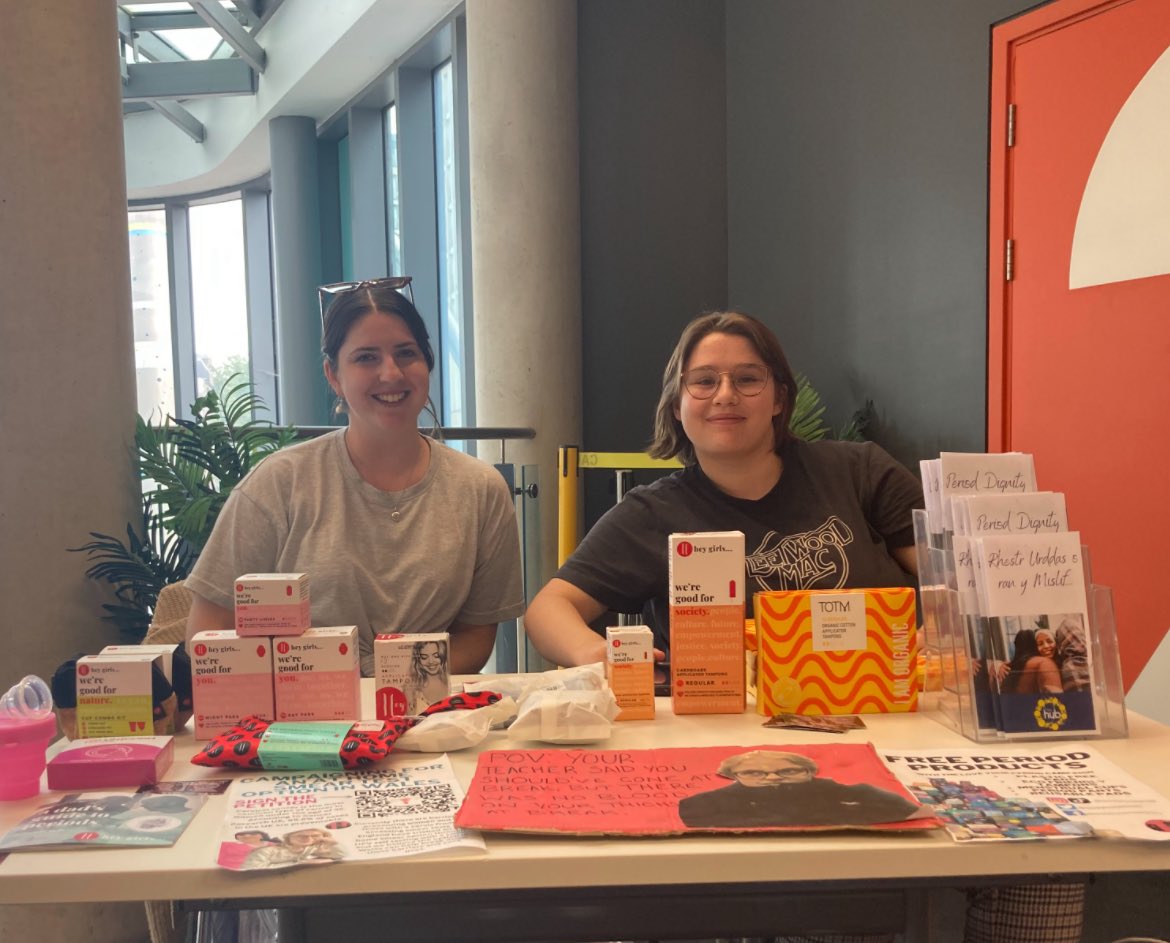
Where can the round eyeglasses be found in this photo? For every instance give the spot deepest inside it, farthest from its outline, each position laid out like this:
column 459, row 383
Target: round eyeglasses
column 748, row 380
column 784, row 772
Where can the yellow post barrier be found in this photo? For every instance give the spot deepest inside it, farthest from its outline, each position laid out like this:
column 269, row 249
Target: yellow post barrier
column 567, row 523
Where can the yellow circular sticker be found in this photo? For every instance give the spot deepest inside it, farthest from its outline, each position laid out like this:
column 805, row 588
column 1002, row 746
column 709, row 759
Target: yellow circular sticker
column 1050, row 713
column 786, row 694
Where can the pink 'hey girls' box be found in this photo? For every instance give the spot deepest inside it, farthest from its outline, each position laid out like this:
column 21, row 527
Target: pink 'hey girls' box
column 111, row 761
column 318, row 675
column 231, row 678
column 272, row 603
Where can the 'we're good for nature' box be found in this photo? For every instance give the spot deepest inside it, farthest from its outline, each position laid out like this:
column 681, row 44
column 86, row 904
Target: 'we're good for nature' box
column 231, row 678
column 837, row 651
column 272, row 603
column 706, row 573
column 318, row 675
column 115, row 695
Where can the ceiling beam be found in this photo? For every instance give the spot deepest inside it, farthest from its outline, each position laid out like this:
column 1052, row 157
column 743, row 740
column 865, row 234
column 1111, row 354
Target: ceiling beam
column 182, row 119
column 232, row 32
column 157, row 49
column 151, row 21
column 195, row 79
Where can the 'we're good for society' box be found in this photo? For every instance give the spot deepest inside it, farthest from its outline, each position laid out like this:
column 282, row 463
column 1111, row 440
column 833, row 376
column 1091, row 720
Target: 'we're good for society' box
column 629, row 669
column 272, row 603
column 231, row 678
column 837, row 651
column 318, row 675
column 706, row 573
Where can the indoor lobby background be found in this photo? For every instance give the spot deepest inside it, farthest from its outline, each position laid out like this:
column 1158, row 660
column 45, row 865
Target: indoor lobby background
column 630, row 164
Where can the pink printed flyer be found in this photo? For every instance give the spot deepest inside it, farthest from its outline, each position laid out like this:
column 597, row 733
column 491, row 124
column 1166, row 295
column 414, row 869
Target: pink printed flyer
column 693, row 789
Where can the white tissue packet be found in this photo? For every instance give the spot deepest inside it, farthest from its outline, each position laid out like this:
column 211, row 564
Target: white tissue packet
column 519, row 686
column 565, row 716
column 455, row 730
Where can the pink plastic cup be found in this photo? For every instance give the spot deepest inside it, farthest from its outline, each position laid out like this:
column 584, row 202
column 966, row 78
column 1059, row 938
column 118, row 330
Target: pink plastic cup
column 23, row 741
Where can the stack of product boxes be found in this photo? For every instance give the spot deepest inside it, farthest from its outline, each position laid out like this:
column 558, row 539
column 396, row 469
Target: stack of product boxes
column 273, row 665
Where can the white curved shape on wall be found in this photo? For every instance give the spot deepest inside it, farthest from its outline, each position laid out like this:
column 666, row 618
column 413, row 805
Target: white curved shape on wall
column 322, row 55
column 1123, row 225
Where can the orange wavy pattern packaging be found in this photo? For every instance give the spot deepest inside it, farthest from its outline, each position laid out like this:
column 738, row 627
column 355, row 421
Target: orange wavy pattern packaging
column 837, row 652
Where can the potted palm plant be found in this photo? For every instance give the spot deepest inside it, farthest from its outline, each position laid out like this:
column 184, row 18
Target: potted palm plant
column 188, row 468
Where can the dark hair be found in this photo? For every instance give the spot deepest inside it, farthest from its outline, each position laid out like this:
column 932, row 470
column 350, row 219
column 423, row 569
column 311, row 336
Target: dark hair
column 669, row 438
column 349, row 307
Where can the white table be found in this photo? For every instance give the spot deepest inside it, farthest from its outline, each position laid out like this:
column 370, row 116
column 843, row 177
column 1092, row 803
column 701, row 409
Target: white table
column 541, row 887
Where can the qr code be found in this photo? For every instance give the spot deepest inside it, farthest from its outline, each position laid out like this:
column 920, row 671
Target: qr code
column 415, row 801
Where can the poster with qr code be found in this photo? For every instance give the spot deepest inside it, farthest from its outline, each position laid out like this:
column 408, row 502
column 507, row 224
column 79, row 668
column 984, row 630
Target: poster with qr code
column 405, row 806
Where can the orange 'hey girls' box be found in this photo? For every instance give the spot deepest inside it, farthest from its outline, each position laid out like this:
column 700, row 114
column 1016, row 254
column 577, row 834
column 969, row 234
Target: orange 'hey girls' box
column 706, row 573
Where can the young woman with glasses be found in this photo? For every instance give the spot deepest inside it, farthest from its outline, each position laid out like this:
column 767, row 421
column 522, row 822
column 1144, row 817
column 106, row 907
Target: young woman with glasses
column 815, row 515
column 398, row 532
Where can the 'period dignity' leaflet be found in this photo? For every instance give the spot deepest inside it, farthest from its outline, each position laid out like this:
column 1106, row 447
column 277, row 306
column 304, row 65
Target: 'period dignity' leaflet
column 979, row 515
column 1032, row 590
column 982, row 473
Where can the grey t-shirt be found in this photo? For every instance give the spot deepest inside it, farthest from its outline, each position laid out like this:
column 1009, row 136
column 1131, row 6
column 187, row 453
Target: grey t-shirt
column 452, row 555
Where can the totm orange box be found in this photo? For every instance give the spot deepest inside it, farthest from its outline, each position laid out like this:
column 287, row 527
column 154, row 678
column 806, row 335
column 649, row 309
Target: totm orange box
column 706, row 623
column 837, row 652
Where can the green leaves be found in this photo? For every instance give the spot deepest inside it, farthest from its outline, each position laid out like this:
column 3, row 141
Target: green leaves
column 807, row 420
column 188, row 468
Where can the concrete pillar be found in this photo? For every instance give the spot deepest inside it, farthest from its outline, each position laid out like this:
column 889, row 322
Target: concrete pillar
column 526, row 230
column 296, row 240
column 67, row 392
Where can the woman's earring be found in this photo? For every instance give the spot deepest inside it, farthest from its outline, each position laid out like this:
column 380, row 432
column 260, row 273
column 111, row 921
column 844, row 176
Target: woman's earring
column 340, row 408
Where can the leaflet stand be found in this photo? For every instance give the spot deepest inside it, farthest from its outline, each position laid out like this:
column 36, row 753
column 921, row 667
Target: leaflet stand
column 955, row 640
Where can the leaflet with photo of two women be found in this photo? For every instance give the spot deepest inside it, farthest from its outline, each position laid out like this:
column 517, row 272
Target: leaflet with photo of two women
column 403, row 806
column 1039, row 791
column 1022, row 593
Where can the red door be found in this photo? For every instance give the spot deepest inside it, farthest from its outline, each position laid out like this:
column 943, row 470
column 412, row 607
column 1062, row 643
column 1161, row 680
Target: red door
column 1079, row 337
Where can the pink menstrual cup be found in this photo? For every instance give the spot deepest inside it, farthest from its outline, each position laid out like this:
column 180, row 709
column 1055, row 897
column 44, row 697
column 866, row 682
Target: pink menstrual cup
column 27, row 725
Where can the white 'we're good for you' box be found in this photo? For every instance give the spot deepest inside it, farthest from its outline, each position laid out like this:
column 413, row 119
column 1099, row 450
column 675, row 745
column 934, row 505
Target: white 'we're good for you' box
column 231, row 678
column 706, row 573
column 272, row 603
column 318, row 675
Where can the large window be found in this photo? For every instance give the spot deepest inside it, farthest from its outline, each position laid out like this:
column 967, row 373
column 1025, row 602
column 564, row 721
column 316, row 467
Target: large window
column 202, row 299
column 401, row 186
column 151, row 297
column 219, row 301
column 450, row 248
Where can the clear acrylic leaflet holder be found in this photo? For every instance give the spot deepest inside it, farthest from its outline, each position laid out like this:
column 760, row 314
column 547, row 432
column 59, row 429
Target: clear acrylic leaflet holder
column 950, row 645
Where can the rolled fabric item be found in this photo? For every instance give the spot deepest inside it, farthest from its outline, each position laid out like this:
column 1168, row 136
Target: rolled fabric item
column 164, row 704
column 240, row 747
column 181, row 680
column 64, row 687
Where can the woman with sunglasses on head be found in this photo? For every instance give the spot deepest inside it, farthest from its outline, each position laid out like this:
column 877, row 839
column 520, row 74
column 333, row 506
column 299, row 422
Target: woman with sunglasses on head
column 398, row 532
column 815, row 515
